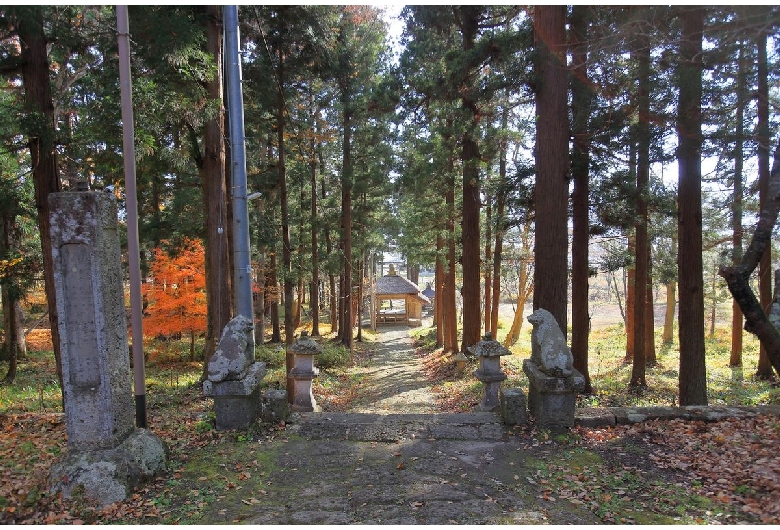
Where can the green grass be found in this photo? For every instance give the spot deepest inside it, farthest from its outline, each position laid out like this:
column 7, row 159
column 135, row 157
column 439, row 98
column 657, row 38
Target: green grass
column 168, row 368
column 610, row 374
column 35, row 388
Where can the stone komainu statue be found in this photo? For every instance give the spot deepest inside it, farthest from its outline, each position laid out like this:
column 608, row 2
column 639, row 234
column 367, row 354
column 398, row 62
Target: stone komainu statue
column 549, row 350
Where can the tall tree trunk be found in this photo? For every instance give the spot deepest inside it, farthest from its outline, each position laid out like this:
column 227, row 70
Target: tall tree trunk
column 714, row 306
column 630, row 289
column 630, row 318
column 449, row 311
column 332, row 299
column 524, row 289
column 43, row 154
column 260, row 304
column 738, row 278
column 273, row 292
column 314, row 294
column 472, row 319
column 735, row 359
column 488, row 303
column 215, row 199
column 501, row 223
column 642, row 54
column 438, row 288
column 358, row 307
column 650, row 357
column 14, row 346
column 692, row 377
column 287, row 279
column 227, row 172
column 497, row 250
column 13, row 333
column 551, row 278
column 346, row 230
column 580, row 162
column 671, row 304
column 525, row 286
column 764, row 368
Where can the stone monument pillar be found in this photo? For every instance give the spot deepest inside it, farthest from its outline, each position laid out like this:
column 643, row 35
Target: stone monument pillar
column 489, row 372
column 106, row 455
column 303, row 372
column 553, row 381
column 234, row 377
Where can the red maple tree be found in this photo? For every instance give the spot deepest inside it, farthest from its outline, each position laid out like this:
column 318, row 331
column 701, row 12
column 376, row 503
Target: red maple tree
column 175, row 293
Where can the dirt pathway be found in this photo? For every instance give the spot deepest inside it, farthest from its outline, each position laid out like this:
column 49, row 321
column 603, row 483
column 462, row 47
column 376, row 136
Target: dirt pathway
column 395, row 382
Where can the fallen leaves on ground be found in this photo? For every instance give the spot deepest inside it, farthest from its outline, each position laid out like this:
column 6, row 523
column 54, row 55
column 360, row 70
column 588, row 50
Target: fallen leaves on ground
column 689, row 471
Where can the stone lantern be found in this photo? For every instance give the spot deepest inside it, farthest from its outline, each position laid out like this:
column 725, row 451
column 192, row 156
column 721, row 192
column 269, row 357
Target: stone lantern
column 489, row 372
column 303, row 372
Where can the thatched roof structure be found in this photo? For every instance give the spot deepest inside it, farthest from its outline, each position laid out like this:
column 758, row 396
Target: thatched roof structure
column 391, row 284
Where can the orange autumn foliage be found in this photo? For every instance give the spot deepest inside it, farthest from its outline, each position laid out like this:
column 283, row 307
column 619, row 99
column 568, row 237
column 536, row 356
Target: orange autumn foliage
column 175, row 294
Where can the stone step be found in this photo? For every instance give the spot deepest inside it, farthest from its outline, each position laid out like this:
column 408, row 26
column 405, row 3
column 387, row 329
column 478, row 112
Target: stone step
column 394, row 427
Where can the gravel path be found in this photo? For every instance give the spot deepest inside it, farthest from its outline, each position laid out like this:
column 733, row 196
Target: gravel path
column 395, row 382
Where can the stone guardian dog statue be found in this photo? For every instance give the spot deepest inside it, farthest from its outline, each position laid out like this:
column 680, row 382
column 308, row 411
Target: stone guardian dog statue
column 549, row 350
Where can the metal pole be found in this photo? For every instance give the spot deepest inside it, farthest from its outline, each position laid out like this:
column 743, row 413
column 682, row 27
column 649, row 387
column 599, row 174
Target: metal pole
column 131, row 200
column 243, row 268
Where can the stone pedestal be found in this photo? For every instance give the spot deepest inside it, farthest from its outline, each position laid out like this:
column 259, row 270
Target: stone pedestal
column 551, row 399
column 234, row 377
column 275, row 406
column 237, row 403
column 106, row 454
column 303, row 372
column 513, row 407
column 489, row 372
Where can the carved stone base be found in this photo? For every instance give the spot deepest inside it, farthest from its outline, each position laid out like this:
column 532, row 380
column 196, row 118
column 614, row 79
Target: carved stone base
column 237, row 403
column 552, row 400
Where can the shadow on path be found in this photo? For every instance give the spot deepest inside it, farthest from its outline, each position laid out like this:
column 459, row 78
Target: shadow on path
column 395, row 382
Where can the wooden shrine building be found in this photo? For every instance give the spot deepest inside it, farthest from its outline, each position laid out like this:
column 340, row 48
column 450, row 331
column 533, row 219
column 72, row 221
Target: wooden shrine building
column 397, row 300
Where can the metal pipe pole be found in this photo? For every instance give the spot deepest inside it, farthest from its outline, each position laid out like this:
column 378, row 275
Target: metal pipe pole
column 243, row 268
column 131, row 205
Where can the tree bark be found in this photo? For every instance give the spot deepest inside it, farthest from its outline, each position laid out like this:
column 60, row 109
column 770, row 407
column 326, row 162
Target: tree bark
column 488, row 303
column 735, row 358
column 671, row 304
column 449, row 312
column 642, row 249
column 501, row 223
column 14, row 346
column 438, row 290
column 346, row 231
column 552, row 164
column 525, row 288
column 215, row 198
column 692, row 376
column 764, row 368
column 12, row 332
column 630, row 318
column 273, row 292
column 580, row 162
column 332, row 301
column 470, row 259
column 650, row 358
column 41, row 142
column 314, row 298
column 738, row 278
column 260, row 303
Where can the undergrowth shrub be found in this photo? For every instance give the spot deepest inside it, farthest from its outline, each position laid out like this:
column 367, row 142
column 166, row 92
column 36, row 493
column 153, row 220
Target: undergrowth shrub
column 333, row 356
